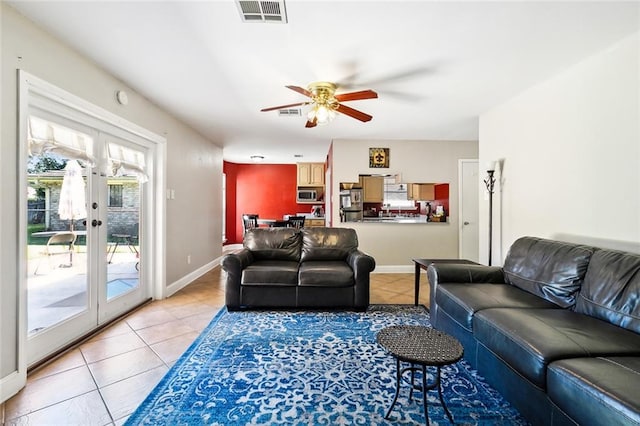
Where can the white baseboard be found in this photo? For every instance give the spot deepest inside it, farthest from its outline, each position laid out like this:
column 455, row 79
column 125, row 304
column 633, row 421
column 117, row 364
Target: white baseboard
column 189, row 278
column 394, row 269
column 9, row 386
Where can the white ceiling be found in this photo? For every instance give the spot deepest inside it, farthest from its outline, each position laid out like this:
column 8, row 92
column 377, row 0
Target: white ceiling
column 435, row 65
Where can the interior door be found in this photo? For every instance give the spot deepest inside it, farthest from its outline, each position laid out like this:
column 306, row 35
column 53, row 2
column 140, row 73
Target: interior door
column 469, row 230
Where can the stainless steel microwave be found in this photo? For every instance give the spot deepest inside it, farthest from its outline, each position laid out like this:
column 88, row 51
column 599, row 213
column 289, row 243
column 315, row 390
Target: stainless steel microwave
column 307, row 196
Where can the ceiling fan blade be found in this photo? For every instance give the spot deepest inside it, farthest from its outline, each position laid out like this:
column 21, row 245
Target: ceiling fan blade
column 358, row 115
column 284, row 106
column 311, row 123
column 355, row 96
column 300, row 90
column 354, row 80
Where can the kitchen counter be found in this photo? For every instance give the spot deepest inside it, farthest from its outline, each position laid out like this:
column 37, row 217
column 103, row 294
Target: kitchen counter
column 311, row 220
column 397, row 219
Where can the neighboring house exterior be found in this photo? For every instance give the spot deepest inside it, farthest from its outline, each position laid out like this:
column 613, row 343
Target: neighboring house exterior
column 123, row 203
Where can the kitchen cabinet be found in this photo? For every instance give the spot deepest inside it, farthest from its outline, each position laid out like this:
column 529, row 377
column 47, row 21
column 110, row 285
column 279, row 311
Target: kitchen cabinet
column 311, row 223
column 372, row 189
column 310, row 174
column 421, row 191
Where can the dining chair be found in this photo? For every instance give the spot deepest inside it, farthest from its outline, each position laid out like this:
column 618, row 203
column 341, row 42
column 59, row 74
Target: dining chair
column 60, row 243
column 296, row 222
column 249, row 221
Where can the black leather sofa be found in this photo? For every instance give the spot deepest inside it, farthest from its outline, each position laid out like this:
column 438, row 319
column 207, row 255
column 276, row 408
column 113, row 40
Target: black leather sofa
column 556, row 330
column 316, row 267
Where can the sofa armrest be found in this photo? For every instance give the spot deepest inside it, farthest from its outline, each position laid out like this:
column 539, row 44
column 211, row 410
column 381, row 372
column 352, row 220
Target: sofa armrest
column 459, row 273
column 362, row 265
column 233, row 264
column 464, row 273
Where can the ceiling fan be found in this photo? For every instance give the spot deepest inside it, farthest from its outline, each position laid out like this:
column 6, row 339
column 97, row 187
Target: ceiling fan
column 325, row 102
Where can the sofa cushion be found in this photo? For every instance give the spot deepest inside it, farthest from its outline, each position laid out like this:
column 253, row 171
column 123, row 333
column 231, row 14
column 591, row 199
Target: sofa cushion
column 603, row 390
column 273, row 243
column 529, row 339
column 320, row 243
column 462, row 301
column 550, row 269
column 271, row 272
column 611, row 289
column 327, row 273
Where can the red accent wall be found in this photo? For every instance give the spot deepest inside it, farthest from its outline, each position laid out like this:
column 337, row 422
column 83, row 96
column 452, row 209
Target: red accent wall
column 442, row 196
column 230, row 171
column 268, row 190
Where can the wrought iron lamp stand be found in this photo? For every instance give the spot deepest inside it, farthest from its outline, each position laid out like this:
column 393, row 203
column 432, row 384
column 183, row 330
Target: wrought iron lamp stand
column 490, row 182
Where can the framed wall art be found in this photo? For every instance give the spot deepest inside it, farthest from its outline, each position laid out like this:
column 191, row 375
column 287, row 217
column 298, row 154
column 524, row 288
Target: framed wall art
column 379, row 158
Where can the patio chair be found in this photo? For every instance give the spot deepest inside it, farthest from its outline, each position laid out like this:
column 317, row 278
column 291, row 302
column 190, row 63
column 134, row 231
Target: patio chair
column 128, row 237
column 295, row 222
column 60, row 243
column 249, row 221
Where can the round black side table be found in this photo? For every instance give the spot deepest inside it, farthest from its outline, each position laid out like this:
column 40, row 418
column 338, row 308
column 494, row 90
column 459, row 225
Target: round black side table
column 420, row 347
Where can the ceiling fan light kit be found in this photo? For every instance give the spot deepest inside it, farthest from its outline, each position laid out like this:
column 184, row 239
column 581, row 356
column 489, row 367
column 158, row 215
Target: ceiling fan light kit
column 325, row 103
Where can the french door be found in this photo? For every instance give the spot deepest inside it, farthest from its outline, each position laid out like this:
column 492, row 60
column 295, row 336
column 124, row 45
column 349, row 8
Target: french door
column 88, row 206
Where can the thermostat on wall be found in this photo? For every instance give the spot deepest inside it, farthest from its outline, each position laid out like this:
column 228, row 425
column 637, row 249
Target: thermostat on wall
column 122, row 97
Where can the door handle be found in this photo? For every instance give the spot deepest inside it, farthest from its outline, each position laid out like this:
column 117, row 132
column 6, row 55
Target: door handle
column 466, row 223
column 95, row 223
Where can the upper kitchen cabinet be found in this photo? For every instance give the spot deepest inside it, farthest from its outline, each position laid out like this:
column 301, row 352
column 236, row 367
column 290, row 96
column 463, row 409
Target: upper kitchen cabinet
column 421, row 191
column 310, row 174
column 372, row 189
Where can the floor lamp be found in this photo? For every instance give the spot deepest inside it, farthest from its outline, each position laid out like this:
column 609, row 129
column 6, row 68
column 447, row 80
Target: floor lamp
column 489, row 182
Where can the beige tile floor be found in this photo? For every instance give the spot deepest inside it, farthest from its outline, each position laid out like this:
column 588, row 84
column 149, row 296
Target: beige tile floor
column 103, row 380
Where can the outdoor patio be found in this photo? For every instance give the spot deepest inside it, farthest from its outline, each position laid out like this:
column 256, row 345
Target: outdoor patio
column 59, row 290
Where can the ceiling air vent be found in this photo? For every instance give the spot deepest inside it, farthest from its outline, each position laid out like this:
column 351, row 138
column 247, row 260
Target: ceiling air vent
column 262, row 11
column 290, row 112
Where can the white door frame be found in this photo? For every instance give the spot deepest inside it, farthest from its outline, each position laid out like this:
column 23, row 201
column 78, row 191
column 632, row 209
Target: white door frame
column 33, row 89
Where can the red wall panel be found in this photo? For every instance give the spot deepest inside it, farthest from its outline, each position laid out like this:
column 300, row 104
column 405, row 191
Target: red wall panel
column 268, row 190
column 442, row 197
column 230, row 172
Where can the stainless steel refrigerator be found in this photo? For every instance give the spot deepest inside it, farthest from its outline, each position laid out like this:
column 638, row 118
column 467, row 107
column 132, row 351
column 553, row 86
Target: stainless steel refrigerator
column 351, row 205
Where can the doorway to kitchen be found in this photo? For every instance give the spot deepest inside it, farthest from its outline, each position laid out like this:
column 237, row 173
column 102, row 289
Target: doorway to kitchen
column 89, row 184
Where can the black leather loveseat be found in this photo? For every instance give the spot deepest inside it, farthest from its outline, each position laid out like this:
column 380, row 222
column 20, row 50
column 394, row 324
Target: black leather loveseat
column 556, row 329
column 315, row 267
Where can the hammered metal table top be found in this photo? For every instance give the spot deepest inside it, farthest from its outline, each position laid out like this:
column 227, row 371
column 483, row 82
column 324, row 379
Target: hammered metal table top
column 420, row 344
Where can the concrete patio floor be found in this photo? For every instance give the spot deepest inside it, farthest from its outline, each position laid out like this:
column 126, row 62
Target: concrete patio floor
column 59, row 290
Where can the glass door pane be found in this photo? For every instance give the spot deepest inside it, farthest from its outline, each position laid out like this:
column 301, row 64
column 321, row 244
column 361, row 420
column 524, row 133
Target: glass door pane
column 124, row 185
column 123, row 234
column 59, row 304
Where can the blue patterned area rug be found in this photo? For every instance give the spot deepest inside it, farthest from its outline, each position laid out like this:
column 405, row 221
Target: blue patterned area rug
column 309, row 368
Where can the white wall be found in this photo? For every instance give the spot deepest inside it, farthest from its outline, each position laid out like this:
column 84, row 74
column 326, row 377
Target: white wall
column 194, row 167
column 570, row 152
column 393, row 245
